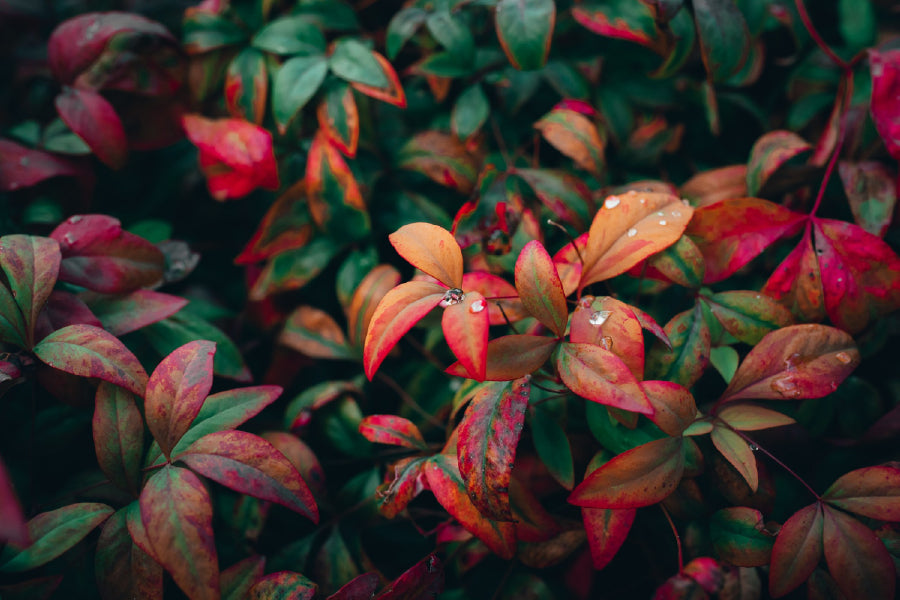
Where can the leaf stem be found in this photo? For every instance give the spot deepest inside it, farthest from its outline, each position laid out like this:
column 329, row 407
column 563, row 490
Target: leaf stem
column 677, row 538
column 569, row 237
column 814, row 34
column 844, row 100
column 775, row 459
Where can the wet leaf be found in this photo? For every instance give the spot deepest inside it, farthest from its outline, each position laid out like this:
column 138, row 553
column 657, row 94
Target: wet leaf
column 540, row 289
column 118, row 430
column 612, row 325
column 858, row 561
column 465, row 325
column 525, row 29
column 31, row 265
column 404, row 480
column 599, row 375
column 738, row 536
column 800, row 361
column 250, row 465
column 488, row 436
column 88, row 351
column 394, row 430
column 873, row 492
column 315, row 333
column 574, row 135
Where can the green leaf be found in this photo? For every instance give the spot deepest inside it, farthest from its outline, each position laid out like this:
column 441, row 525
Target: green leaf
column 296, row 82
column 290, row 35
column 738, row 453
column 402, row 27
column 453, row 34
column 203, row 31
column 724, row 37
column 295, row 268
column 353, row 61
column 552, row 446
column 525, row 29
column 31, row 265
column 738, row 535
column 857, row 23
column 12, row 325
column 118, row 436
column 470, row 112
column 725, row 360
column 748, row 316
column 689, row 355
column 52, row 533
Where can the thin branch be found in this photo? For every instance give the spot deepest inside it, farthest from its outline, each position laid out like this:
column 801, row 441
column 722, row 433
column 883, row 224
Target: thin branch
column 569, row 237
column 814, row 34
column 754, row 446
column 677, row 538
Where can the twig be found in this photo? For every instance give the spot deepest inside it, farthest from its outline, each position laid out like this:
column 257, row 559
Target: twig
column 677, row 538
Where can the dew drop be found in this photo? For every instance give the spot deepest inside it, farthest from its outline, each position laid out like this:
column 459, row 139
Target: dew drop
column 75, row 219
column 662, row 221
column 643, row 201
column 606, row 343
column 599, row 317
column 790, row 363
column 67, row 238
column 24, row 161
column 786, row 386
column 843, row 357
column 14, row 185
column 632, row 232
column 840, row 279
column 660, row 214
column 586, row 302
column 685, row 201
column 477, row 306
column 633, row 193
column 676, row 213
column 754, row 448
column 612, row 202
column 453, row 296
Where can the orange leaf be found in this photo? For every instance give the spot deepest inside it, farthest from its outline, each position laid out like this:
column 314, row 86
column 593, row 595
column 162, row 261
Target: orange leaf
column 369, row 292
column 512, row 356
column 574, row 135
column 610, row 324
column 674, row 408
column 606, row 530
column 872, row 492
column 431, row 249
column 540, row 289
column 599, row 375
column 332, row 190
column 339, row 119
column 738, row 453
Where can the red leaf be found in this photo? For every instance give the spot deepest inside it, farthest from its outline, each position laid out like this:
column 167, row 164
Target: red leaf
column 607, row 529
column 801, row 361
column 315, row 333
column 94, row 120
column 540, row 289
column 31, row 265
column 236, row 580
column 639, row 477
column 369, row 292
column 88, row 351
column 872, row 191
column 78, row 42
column 610, row 324
column 599, row 375
column 334, row 196
column 22, row 167
column 872, row 492
column 398, row 311
column 488, row 435
column 442, row 158
column 574, row 135
column 738, row 453
column 361, row 587
column 250, row 465
column 64, row 309
column 512, row 356
column 797, row 550
column 124, row 570
column 425, row 579
column 733, row 232
column 674, row 408
column 445, row 481
column 99, row 255
column 857, row 559
column 860, row 274
column 393, row 93
column 404, row 480
column 772, row 152
column 533, row 522
column 283, row 585
column 496, row 290
column 629, row 228
column 118, row 430
column 176, row 513
column 797, row 282
column 12, row 526
column 885, row 106
column 431, row 249
column 465, row 326
column 301, row 456
column 236, row 156
column 124, row 314
column 176, row 391
column 391, row 429
column 625, row 21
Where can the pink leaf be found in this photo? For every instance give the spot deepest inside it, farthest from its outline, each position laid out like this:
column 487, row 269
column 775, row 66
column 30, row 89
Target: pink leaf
column 94, row 120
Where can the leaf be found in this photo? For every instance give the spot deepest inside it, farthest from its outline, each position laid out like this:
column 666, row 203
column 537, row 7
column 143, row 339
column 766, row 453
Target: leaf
column 425, row 579
column 392, row 93
column 250, row 465
column 674, row 408
column 361, row 587
column 540, row 289
column 31, row 265
column 465, row 325
column 53, row 533
column 599, row 375
column 498, row 292
column 607, row 529
column 339, row 118
column 724, row 37
column 121, row 314
column 290, row 35
column 88, row 351
column 750, row 417
column 621, row 19
column 488, row 436
column 118, row 430
column 562, row 192
column 294, row 268
column 800, row 361
column 366, row 296
column 176, row 391
column 176, row 514
column 552, row 446
column 295, row 83
column 738, row 453
column 525, row 29
column 301, row 456
column 398, row 311
column 123, row 570
column 13, row 528
column 235, row 156
column 738, row 535
column 612, row 325
column 748, row 316
column 445, row 481
column 227, row 410
column 100, row 256
column 512, row 356
column 283, row 585
column 885, row 70
column 733, row 232
column 639, row 477
column 403, row 481
column 432, row 249
column 352, row 61
column 314, row 333
column 25, row 167
column 402, row 27
column 682, row 262
column 858, row 561
column 247, row 86
column 394, row 430
column 688, row 356
column 204, row 31
column 772, row 153
column 574, row 135
column 629, row 228
column 872, row 193
column 90, row 116
column 872, row 492
column 714, row 185
column 797, row 282
column 335, row 200
column 285, row 226
column 236, row 581
column 797, row 550
column 440, row 157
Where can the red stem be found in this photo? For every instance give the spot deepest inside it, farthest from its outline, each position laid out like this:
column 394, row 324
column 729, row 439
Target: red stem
column 844, row 99
column 777, row 461
column 814, row 34
column 677, row 538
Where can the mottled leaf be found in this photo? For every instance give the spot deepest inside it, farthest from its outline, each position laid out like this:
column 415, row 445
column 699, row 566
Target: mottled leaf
column 857, row 559
column 31, row 265
column 738, row 535
column 361, row 587
column 315, row 333
column 771, row 153
column 121, row 314
column 236, row 580
column 566, row 195
column 738, row 453
column 574, row 135
column 22, row 167
column 797, row 550
column 748, row 316
column 674, row 408
column 612, row 325
column 394, row 430
column 339, row 118
column 283, row 585
column 688, row 356
column 873, row 492
column 118, row 430
column 872, row 191
column 122, row 569
column 599, row 375
column 540, row 289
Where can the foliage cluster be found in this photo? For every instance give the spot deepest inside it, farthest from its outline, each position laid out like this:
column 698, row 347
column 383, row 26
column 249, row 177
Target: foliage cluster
column 537, row 294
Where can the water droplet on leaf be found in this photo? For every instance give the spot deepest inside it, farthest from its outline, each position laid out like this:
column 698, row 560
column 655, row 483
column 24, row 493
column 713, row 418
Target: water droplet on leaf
column 477, row 306
column 74, row 219
column 676, row 213
column 786, row 387
column 606, row 342
column 662, row 222
column 632, row 232
column 599, row 317
column 843, row 357
column 611, row 202
column 67, row 238
column 452, row 296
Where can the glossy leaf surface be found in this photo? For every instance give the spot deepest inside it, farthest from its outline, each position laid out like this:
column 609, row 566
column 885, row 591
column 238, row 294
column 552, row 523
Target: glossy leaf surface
column 599, row 375
column 574, row 135
column 465, row 325
column 431, row 249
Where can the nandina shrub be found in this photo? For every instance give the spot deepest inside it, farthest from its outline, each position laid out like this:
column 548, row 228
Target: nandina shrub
column 495, row 299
